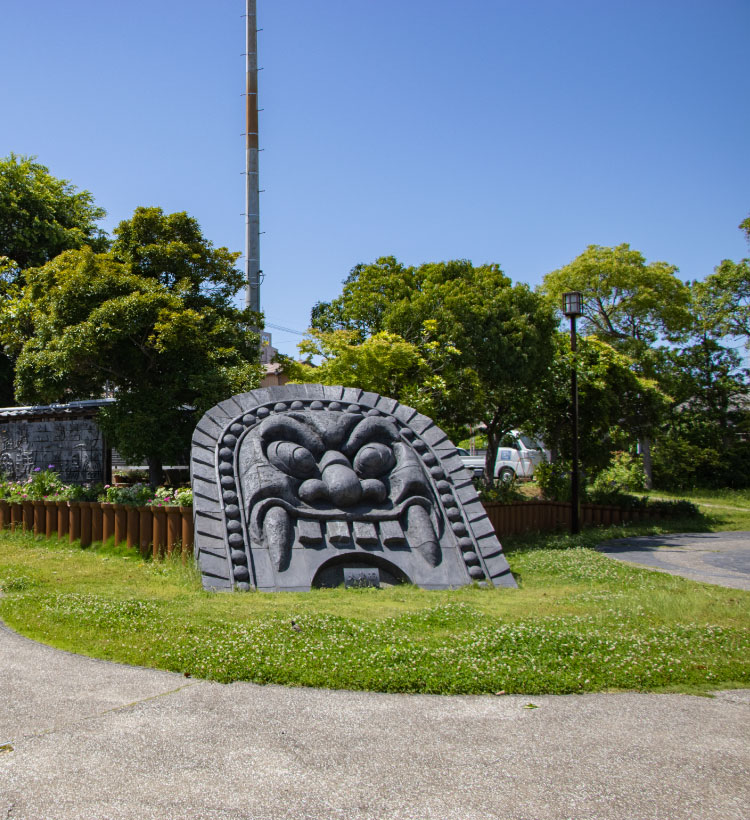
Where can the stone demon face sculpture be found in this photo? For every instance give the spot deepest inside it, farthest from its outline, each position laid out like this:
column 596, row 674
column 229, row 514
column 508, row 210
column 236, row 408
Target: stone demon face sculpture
column 295, row 485
column 338, row 477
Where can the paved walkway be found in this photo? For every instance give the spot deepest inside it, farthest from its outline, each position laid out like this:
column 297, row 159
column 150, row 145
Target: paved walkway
column 713, row 557
column 90, row 740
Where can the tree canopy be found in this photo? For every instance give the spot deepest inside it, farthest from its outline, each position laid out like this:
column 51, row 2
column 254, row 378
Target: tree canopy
column 41, row 216
column 724, row 296
column 625, row 299
column 629, row 304
column 167, row 344
column 170, row 249
column 485, row 343
column 613, row 400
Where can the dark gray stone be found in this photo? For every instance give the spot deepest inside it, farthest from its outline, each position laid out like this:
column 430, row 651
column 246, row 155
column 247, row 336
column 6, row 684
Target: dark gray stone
column 308, row 485
column 75, row 448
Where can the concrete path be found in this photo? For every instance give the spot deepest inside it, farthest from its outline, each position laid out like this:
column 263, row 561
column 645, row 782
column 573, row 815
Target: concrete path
column 713, row 557
column 86, row 739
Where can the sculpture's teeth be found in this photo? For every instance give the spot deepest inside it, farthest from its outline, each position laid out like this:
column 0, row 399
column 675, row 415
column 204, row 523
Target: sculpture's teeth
column 365, row 534
column 421, row 535
column 338, row 533
column 278, row 534
column 391, row 534
column 309, row 533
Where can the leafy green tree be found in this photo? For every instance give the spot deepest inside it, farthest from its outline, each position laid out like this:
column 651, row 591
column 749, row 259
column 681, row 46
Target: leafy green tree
column 724, row 296
column 612, row 399
column 629, row 304
column 485, row 342
column 382, row 363
column 171, row 250
column 703, row 440
column 626, row 302
column 41, row 215
column 168, row 344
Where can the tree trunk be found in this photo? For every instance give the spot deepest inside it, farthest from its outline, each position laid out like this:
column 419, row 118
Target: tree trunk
column 155, row 472
column 644, row 444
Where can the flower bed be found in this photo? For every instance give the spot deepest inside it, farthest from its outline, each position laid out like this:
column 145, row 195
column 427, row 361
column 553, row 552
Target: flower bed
column 46, row 485
column 154, row 522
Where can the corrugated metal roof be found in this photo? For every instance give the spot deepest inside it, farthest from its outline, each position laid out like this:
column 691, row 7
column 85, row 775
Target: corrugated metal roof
column 86, row 407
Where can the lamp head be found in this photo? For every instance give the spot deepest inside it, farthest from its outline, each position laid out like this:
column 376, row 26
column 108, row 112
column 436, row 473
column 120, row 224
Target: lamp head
column 573, row 304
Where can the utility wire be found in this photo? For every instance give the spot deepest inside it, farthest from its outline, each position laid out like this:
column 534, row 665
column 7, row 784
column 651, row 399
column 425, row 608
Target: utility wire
column 285, row 329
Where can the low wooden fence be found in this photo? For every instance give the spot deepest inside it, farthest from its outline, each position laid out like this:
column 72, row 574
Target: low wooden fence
column 547, row 516
column 152, row 530
column 159, row 531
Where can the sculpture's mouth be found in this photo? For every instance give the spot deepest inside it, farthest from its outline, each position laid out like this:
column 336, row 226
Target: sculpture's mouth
column 277, row 525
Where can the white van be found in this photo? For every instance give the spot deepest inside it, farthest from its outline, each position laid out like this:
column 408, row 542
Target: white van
column 517, row 457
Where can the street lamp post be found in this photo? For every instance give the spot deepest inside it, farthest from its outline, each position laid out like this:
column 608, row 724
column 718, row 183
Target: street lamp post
column 573, row 308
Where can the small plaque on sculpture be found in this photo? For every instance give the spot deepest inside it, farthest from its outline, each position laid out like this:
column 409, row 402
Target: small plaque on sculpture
column 295, row 486
column 361, row 577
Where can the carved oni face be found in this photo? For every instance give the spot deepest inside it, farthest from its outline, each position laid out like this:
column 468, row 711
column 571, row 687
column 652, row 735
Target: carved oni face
column 315, row 479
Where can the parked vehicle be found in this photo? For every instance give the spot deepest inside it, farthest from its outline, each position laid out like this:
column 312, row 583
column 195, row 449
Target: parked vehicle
column 517, row 457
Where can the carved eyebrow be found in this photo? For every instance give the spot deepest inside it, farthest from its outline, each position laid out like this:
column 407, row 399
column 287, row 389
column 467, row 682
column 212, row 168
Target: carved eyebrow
column 369, row 430
column 289, row 429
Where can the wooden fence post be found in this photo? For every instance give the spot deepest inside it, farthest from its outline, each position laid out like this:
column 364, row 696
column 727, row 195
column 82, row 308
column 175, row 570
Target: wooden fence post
column 159, row 532
column 174, row 527
column 97, row 522
column 16, row 516
column 28, row 516
column 39, row 518
column 74, row 532
column 4, row 514
column 121, row 523
column 63, row 519
column 187, row 532
column 85, row 522
column 108, row 521
column 133, row 528
column 146, row 529
column 50, row 518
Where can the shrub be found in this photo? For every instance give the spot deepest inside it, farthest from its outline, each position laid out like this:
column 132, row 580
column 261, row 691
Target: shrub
column 554, row 480
column 47, row 485
column 169, row 495
column 682, row 465
column 40, row 485
column 502, row 491
column 136, row 494
column 82, row 492
column 623, row 474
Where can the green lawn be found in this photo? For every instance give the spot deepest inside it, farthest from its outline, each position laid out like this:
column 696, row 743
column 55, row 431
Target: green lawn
column 724, row 509
column 579, row 622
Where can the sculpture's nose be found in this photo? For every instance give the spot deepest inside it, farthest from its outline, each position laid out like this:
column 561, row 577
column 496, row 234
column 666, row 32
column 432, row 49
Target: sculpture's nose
column 340, row 480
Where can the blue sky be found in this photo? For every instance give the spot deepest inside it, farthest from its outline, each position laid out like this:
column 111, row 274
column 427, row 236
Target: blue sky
column 509, row 131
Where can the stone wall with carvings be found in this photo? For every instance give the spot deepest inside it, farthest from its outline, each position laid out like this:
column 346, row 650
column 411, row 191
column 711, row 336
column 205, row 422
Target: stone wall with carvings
column 74, row 446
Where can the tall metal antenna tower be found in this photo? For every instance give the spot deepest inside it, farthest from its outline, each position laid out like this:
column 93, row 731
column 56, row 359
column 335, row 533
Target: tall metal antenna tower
column 252, row 188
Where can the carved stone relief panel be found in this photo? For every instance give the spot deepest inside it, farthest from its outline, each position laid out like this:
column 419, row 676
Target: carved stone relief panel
column 309, row 485
column 74, row 447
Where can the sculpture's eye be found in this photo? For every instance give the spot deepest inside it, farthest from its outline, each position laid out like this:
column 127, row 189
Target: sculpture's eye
column 373, row 460
column 292, row 458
